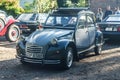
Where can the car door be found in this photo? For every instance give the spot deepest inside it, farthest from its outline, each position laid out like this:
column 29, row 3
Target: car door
column 81, row 34
column 91, row 28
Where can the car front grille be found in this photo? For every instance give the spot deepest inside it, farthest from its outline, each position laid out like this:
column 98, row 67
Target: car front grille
column 34, row 51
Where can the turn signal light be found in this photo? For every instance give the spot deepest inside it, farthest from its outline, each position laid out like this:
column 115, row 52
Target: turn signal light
column 39, row 27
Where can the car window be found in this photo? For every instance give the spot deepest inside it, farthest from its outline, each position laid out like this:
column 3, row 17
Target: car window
column 63, row 21
column 26, row 17
column 89, row 20
column 82, row 21
column 42, row 17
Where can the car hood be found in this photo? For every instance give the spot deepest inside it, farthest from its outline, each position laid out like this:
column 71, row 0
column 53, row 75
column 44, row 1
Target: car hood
column 27, row 22
column 108, row 23
column 42, row 37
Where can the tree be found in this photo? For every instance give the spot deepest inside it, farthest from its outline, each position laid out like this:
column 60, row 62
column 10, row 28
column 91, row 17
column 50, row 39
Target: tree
column 61, row 3
column 72, row 3
column 28, row 7
column 44, row 5
column 11, row 7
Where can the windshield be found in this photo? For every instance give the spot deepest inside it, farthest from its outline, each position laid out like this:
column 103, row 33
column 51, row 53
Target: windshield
column 42, row 17
column 61, row 21
column 27, row 17
column 113, row 18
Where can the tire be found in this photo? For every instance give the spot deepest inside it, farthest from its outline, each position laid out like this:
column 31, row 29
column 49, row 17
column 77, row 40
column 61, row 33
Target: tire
column 98, row 50
column 68, row 61
column 23, row 62
column 13, row 33
column 2, row 24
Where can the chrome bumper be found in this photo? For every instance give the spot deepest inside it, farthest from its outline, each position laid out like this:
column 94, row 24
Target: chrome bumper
column 39, row 61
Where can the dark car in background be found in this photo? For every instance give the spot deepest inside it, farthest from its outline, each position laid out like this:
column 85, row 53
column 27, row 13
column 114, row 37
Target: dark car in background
column 110, row 27
column 67, row 33
column 29, row 22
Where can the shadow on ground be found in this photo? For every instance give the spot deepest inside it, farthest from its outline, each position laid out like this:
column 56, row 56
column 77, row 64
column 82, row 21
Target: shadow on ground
column 102, row 69
column 7, row 44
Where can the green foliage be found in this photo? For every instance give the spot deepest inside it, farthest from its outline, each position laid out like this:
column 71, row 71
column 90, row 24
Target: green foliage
column 44, row 5
column 61, row 3
column 28, row 7
column 40, row 6
column 11, row 7
column 72, row 3
column 48, row 5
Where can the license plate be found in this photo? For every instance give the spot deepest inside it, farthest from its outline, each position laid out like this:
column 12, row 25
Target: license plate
column 34, row 55
column 108, row 29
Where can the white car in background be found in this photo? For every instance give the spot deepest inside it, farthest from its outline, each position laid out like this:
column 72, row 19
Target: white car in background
column 3, row 16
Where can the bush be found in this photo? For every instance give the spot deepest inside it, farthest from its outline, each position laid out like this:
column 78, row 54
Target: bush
column 11, row 7
column 72, row 3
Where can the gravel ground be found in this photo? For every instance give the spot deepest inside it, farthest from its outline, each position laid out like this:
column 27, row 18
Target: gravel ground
column 103, row 67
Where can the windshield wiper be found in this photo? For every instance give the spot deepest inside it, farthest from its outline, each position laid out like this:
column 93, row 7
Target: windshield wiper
column 58, row 25
column 69, row 25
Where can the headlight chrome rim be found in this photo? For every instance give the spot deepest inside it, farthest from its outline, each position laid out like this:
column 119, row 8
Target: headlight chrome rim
column 54, row 41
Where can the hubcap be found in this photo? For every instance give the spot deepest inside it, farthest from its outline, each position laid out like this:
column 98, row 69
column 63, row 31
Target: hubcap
column 69, row 58
column 14, row 33
column 99, row 49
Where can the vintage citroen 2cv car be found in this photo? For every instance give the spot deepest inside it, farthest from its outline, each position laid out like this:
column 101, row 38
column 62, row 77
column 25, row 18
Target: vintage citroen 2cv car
column 66, row 34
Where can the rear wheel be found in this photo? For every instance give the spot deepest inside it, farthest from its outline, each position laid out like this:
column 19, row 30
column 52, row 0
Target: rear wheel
column 68, row 58
column 13, row 33
column 2, row 24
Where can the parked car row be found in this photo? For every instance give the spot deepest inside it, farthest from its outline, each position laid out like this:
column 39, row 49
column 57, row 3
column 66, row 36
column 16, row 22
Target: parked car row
column 66, row 34
column 25, row 24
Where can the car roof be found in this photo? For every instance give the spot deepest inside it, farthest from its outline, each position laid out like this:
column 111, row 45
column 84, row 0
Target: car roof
column 117, row 15
column 69, row 11
column 84, row 12
column 30, row 13
column 35, row 13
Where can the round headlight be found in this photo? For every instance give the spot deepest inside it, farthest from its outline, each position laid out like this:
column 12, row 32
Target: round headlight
column 54, row 41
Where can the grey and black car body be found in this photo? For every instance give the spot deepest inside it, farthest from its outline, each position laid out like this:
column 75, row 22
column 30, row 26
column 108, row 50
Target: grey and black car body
column 110, row 27
column 67, row 33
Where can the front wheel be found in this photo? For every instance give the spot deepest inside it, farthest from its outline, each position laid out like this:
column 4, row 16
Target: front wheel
column 13, row 33
column 68, row 58
column 98, row 50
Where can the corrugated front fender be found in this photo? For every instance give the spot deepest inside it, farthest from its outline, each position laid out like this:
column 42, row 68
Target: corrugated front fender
column 59, row 51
